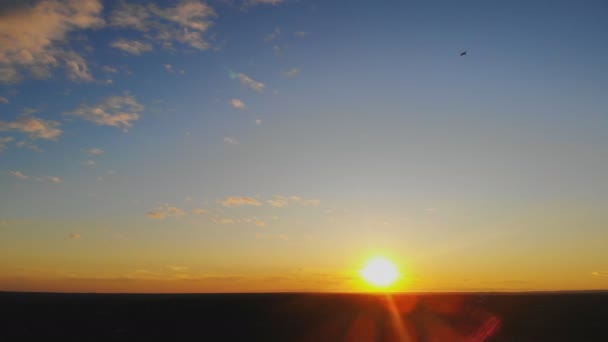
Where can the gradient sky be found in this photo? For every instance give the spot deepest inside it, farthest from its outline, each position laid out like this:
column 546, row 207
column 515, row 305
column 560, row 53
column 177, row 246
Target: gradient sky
column 275, row 145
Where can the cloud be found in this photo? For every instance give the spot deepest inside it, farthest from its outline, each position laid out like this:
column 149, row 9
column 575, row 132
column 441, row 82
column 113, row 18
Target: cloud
column 94, row 151
column 237, row 201
column 110, row 70
column 165, row 211
column 76, row 68
column 89, row 163
column 264, row 2
column 169, row 67
column 199, row 211
column 300, row 34
column 30, row 145
column 4, row 100
column 185, row 23
column 238, row 104
column 33, row 38
column 258, row 122
column 292, row 72
column 273, row 35
column 115, row 111
column 600, row 273
column 222, row 220
column 54, row 179
column 250, row 83
column 36, row 128
column 279, row 201
column 231, row 141
column 179, row 268
column 4, row 142
column 19, row 174
column 134, row 47
column 74, row 236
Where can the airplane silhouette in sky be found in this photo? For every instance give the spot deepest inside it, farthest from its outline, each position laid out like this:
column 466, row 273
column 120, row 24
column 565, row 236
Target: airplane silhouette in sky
column 464, row 53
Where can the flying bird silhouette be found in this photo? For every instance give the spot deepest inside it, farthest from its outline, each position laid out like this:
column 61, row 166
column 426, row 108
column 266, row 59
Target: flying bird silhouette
column 464, row 53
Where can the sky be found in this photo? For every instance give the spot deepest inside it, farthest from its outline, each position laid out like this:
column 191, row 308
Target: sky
column 276, row 145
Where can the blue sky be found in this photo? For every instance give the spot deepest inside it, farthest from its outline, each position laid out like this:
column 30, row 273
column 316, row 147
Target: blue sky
column 338, row 118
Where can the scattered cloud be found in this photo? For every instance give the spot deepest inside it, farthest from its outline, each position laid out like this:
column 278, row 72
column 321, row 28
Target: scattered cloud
column 250, row 83
column 110, row 69
column 186, row 23
column 32, row 38
column 165, row 211
column 134, row 47
column 34, row 127
column 19, row 174
column 54, row 179
column 222, row 220
column 301, row 34
column 264, row 2
column 237, row 201
column 76, row 68
column 89, row 163
column 169, row 68
column 199, row 211
column 4, row 142
column 292, row 72
column 231, row 141
column 179, row 268
column 237, row 104
column 30, row 145
column 4, row 100
column 274, row 35
column 74, row 236
column 600, row 273
column 93, row 151
column 258, row 122
column 115, row 111
column 279, row 201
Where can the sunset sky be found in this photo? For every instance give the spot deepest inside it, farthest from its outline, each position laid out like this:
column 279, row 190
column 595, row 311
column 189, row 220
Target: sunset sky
column 276, row 145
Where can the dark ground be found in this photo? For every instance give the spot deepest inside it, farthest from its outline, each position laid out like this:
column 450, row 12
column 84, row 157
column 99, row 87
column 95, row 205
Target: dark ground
column 306, row 317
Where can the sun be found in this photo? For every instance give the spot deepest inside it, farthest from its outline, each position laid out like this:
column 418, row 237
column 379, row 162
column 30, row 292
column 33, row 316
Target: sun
column 380, row 272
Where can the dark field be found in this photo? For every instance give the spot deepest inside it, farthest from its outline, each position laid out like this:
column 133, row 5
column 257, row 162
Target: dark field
column 307, row 317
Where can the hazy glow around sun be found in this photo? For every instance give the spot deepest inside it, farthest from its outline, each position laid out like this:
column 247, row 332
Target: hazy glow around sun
column 379, row 272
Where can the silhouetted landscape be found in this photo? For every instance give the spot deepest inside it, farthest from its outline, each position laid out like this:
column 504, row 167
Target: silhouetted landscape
column 306, row 317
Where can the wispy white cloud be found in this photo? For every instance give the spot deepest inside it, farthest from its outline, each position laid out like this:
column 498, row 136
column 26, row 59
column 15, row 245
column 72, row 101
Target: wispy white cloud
column 231, row 141
column 300, row 34
column 258, row 122
column 34, row 127
column 273, row 35
column 264, row 2
column 88, row 163
column 54, row 179
column 115, row 111
column 4, row 142
column 30, row 145
column 134, row 47
column 33, row 38
column 4, row 100
column 237, row 201
column 199, row 211
column 93, row 151
column 280, row 201
column 250, row 83
column 19, row 174
column 186, row 23
column 165, row 211
column 110, row 69
column 292, row 72
column 238, row 104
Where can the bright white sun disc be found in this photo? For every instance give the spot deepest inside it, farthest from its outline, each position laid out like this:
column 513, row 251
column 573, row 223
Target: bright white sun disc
column 380, row 272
